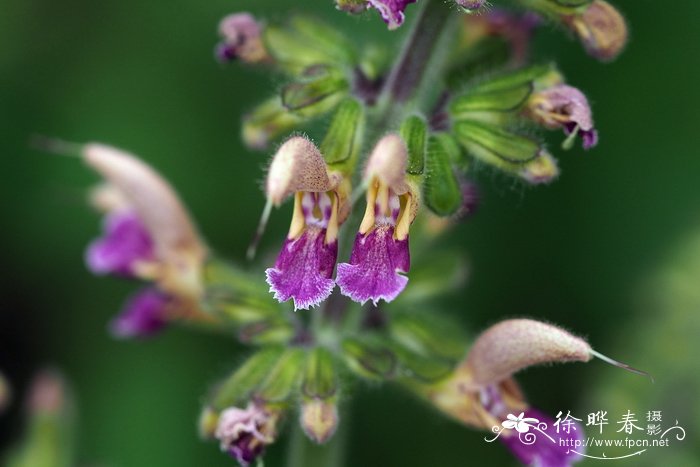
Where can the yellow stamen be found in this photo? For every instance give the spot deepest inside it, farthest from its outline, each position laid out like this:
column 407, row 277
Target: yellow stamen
column 368, row 220
column 404, row 221
column 298, row 222
column 332, row 229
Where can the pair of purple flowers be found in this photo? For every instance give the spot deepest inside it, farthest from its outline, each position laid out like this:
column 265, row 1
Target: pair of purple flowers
column 304, row 268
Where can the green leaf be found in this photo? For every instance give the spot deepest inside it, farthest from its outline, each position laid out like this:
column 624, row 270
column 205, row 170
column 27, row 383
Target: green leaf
column 494, row 145
column 320, row 379
column 441, row 190
column 267, row 332
column 503, row 100
column 511, row 80
column 236, row 390
column 327, row 39
column 424, row 368
column 414, row 131
column 343, row 139
column 368, row 361
column 284, row 377
column 321, row 90
column 572, row 3
column 432, row 335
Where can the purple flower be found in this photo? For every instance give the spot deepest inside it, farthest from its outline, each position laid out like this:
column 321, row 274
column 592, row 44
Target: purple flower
column 566, row 107
column 380, row 255
column 241, row 39
column 125, row 243
column 392, row 11
column 245, row 433
column 304, row 267
column 144, row 314
column 549, row 448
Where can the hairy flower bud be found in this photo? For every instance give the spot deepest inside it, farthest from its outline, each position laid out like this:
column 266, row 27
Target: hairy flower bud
column 319, row 419
column 48, row 393
column 297, row 166
column 241, row 39
column 514, row 344
column 601, row 28
column 207, row 422
column 541, row 170
column 244, row 433
column 158, row 214
column 470, row 5
column 352, row 6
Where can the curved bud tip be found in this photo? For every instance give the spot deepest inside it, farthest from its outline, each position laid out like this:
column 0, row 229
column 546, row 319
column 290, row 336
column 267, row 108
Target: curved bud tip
column 602, row 30
column 512, row 345
column 207, row 423
column 470, row 5
column 319, row 419
column 388, row 162
column 297, row 166
column 392, row 11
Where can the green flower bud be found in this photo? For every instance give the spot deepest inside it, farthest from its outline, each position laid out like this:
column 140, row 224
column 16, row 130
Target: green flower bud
column 207, row 423
column 320, row 378
column 267, row 332
column 284, row 377
column 237, row 389
column 321, row 89
column 441, row 191
column 344, row 137
column 266, row 122
column 414, row 132
column 429, row 335
column 368, row 361
column 495, row 146
column 426, row 368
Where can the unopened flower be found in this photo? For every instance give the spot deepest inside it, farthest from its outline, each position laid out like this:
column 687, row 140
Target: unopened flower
column 244, row 433
column 304, row 268
column 563, row 106
column 380, row 255
column 241, row 39
column 482, row 393
column 601, row 28
column 148, row 232
column 5, row 393
column 144, row 314
column 319, row 419
column 541, row 170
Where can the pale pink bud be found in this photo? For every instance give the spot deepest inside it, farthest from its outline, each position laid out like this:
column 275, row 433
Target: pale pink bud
column 511, row 345
column 297, row 166
column 387, row 163
column 602, row 30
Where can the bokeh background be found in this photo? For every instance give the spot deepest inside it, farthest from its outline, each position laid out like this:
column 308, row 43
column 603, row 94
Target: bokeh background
column 612, row 250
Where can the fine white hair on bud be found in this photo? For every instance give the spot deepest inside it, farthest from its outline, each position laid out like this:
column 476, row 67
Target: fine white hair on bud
column 388, row 162
column 297, row 166
column 511, row 345
column 154, row 200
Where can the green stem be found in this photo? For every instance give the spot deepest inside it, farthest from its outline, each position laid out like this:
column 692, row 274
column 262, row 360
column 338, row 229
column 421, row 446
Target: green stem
column 304, row 453
column 422, row 57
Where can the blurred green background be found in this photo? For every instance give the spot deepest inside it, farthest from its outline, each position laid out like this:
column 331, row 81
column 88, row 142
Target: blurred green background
column 610, row 251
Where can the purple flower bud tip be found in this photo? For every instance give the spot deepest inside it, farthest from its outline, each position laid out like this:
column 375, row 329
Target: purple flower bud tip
column 392, row 11
column 304, row 269
column 543, row 451
column 144, row 315
column 125, row 243
column 241, row 35
column 566, row 107
column 375, row 265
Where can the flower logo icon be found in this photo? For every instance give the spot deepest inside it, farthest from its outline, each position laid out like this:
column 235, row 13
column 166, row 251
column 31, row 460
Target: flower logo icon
column 520, row 423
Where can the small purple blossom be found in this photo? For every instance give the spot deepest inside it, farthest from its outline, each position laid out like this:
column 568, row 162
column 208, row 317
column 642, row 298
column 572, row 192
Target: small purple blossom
column 566, row 107
column 376, row 266
column 125, row 243
column 244, row 433
column 144, row 314
column 304, row 268
column 241, row 39
column 392, row 11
